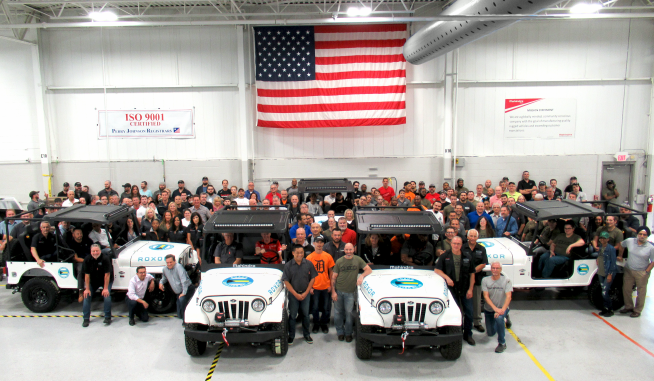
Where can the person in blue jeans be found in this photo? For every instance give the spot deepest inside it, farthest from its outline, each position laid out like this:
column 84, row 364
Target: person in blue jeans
column 298, row 277
column 98, row 273
column 345, row 279
column 606, row 270
column 560, row 249
column 497, row 290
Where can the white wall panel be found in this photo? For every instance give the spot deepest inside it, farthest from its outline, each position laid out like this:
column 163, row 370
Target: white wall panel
column 18, row 132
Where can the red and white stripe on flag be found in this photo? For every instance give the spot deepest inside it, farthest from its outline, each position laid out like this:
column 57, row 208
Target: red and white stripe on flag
column 360, row 80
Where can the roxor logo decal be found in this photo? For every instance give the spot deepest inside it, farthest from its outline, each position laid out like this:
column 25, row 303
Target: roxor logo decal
column 486, row 243
column 406, row 283
column 582, row 269
column 162, row 246
column 238, row 281
column 63, row 272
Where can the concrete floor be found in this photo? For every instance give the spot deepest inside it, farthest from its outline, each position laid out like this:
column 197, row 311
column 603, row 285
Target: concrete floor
column 558, row 329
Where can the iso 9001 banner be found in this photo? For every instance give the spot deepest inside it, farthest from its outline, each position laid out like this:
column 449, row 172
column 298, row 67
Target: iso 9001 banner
column 168, row 124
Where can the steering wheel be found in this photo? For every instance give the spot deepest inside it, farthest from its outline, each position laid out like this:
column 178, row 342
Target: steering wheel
column 274, row 257
column 423, row 258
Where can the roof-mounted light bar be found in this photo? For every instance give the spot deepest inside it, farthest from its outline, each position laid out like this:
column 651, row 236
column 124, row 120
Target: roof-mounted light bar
column 335, row 188
column 401, row 226
column 223, row 225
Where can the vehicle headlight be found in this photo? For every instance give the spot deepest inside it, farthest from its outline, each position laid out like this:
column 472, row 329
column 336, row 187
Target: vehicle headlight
column 436, row 307
column 385, row 307
column 208, row 305
column 258, row 305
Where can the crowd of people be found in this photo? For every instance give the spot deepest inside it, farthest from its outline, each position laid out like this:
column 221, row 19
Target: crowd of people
column 466, row 216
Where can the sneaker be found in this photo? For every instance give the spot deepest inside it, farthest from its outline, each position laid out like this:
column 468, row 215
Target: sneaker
column 308, row 339
column 508, row 323
column 608, row 313
column 341, row 337
column 315, row 328
column 602, row 313
column 348, row 339
column 290, row 340
column 132, row 322
column 85, row 323
column 635, row 314
column 480, row 328
column 107, row 321
column 500, row 348
column 325, row 328
column 626, row 310
column 469, row 340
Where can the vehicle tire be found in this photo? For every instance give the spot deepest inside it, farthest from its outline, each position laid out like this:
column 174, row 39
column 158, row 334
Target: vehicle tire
column 161, row 302
column 595, row 293
column 194, row 347
column 40, row 295
column 363, row 346
column 283, row 326
column 452, row 351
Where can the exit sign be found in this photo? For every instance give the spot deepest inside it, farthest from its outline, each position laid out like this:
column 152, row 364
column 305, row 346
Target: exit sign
column 622, row 156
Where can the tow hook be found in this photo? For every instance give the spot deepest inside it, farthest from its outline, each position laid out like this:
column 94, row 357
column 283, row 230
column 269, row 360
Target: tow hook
column 405, row 334
column 225, row 336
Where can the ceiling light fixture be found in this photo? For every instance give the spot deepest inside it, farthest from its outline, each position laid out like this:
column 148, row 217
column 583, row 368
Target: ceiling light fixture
column 582, row 8
column 103, row 16
column 355, row 11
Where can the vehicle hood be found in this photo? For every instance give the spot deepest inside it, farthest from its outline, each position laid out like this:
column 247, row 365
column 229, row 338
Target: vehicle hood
column 401, row 283
column 266, row 282
column 500, row 250
column 150, row 253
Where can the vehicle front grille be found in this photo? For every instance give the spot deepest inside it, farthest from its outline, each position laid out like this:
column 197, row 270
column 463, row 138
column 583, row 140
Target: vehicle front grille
column 237, row 310
column 415, row 312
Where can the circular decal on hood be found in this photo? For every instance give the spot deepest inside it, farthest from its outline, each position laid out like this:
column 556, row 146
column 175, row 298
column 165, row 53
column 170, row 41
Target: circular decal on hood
column 238, row 281
column 486, row 243
column 406, row 283
column 582, row 269
column 63, row 272
column 162, row 246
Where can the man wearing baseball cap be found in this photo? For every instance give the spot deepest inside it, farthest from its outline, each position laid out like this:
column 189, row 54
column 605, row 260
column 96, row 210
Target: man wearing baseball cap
column 636, row 270
column 79, row 193
column 432, row 195
column 203, row 188
column 64, row 193
column 181, row 189
column 127, row 191
column 606, row 270
column 34, row 201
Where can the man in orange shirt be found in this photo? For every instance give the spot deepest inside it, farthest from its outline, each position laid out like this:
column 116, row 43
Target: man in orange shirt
column 349, row 235
column 408, row 191
column 321, row 291
column 386, row 191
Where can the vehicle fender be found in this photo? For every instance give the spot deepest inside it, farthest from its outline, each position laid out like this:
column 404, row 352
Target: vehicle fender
column 194, row 313
column 274, row 311
column 451, row 315
column 368, row 314
column 61, row 273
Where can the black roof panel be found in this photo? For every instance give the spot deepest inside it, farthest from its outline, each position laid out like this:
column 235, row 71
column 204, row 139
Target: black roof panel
column 101, row 214
column 545, row 210
column 248, row 221
column 397, row 222
column 325, row 185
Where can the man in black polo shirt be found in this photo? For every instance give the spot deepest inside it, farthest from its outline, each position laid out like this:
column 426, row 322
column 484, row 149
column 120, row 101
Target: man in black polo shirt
column 480, row 260
column 525, row 186
column 97, row 273
column 335, row 247
column 457, row 268
column 44, row 245
column 228, row 252
column 181, row 189
column 64, row 193
column 299, row 275
column 81, row 246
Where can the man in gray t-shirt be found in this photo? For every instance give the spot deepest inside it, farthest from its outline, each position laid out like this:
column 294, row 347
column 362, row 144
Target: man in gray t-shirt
column 497, row 291
column 640, row 261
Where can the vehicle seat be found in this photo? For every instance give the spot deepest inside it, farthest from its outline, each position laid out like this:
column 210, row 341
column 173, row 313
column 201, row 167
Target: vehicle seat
column 249, row 241
column 25, row 240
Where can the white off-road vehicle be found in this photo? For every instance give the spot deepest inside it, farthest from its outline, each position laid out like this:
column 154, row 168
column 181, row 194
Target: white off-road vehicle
column 41, row 288
column 520, row 264
column 244, row 303
column 405, row 305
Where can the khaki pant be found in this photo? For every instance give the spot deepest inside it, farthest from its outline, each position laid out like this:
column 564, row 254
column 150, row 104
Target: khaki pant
column 476, row 304
column 640, row 278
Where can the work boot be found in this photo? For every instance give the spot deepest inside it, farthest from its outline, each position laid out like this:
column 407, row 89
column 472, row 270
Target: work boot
column 107, row 321
column 480, row 328
column 85, row 323
column 469, row 340
column 132, row 322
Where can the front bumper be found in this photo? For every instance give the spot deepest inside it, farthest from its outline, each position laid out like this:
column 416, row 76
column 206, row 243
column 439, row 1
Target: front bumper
column 233, row 337
column 418, row 338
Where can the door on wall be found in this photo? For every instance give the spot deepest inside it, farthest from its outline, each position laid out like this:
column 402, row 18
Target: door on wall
column 620, row 173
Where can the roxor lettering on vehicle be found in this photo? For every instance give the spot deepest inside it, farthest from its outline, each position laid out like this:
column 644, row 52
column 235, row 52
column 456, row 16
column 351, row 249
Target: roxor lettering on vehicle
column 150, row 259
column 244, row 265
column 368, row 289
column 275, row 287
column 401, row 267
column 495, row 256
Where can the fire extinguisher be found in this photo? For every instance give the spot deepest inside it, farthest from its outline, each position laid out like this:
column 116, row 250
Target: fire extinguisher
column 650, row 201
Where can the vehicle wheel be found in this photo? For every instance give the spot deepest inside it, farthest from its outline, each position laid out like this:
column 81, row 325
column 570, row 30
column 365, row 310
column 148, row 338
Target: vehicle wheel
column 363, row 346
column 40, row 295
column 283, row 326
column 595, row 293
column 452, row 351
column 194, row 347
column 161, row 301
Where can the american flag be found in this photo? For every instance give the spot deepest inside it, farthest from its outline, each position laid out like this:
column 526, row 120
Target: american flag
column 330, row 76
